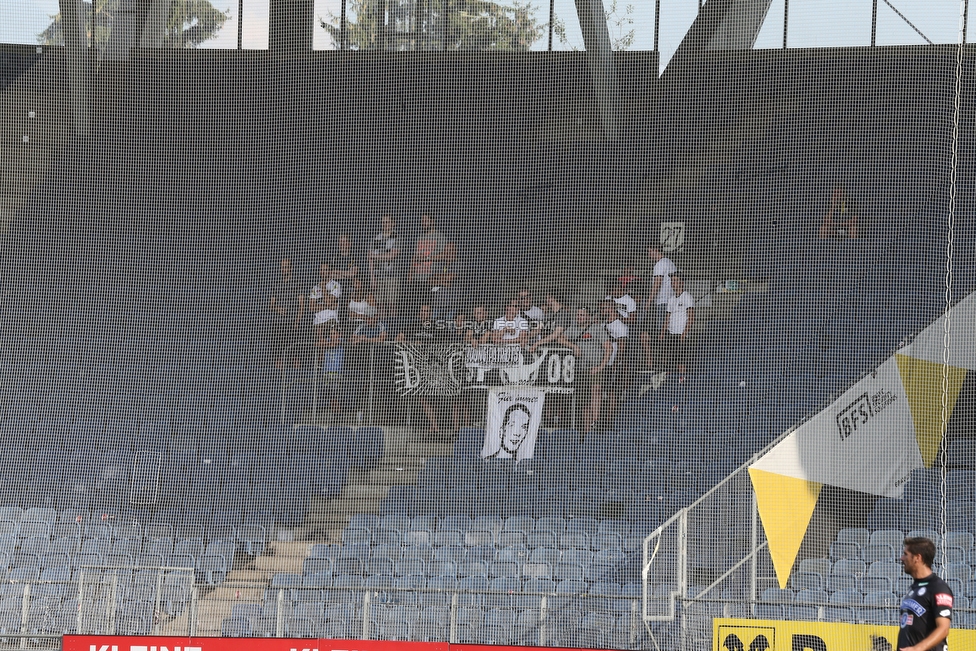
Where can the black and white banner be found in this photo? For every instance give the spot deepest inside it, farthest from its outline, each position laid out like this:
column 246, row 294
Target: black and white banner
column 487, row 356
column 513, row 422
column 546, row 367
column 428, row 369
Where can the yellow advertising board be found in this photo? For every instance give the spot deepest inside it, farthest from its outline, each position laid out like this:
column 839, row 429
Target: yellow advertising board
column 765, row 635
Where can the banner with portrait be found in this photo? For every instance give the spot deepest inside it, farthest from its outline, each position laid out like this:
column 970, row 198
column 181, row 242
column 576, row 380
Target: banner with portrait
column 512, row 424
column 424, row 369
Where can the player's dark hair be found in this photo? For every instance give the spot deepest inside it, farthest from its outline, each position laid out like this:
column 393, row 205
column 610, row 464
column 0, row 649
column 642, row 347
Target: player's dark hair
column 922, row 547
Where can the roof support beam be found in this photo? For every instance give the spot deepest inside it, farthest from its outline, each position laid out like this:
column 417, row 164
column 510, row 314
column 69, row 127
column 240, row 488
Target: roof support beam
column 723, row 25
column 599, row 56
column 73, row 19
column 127, row 28
column 739, row 27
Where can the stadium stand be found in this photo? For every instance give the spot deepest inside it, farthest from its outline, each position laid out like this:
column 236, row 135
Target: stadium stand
column 791, row 366
column 149, row 444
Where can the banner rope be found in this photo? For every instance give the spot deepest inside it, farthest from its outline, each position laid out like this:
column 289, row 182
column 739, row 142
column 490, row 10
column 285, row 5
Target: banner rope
column 946, row 324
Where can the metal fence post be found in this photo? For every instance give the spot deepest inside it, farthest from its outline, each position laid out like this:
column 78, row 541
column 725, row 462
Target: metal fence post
column 657, row 24
column 679, row 599
column 454, row 606
column 633, row 622
column 280, row 614
column 754, row 544
column 24, row 609
column 683, row 554
column 365, row 634
column 874, row 23
column 786, row 21
column 281, row 371
column 573, row 425
column 372, row 373
column 682, row 624
column 159, row 596
column 113, row 604
column 645, row 577
column 81, row 583
column 316, row 376
column 192, row 624
column 543, row 616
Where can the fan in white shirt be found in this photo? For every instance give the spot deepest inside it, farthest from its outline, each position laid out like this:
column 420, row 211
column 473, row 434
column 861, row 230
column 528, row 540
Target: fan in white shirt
column 677, row 325
column 510, row 328
column 661, row 289
column 527, row 308
column 324, row 297
column 625, row 307
column 655, row 305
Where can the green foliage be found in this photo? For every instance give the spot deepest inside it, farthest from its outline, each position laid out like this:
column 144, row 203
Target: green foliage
column 422, row 24
column 190, row 23
column 620, row 25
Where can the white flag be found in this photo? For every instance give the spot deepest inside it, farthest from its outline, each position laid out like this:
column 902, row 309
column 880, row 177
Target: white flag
column 865, row 441
column 513, row 422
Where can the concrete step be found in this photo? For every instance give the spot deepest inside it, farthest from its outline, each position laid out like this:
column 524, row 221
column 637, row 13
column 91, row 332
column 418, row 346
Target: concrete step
column 215, row 606
column 360, row 492
column 247, row 576
column 406, row 452
column 423, row 450
column 282, row 557
column 347, row 506
column 394, row 475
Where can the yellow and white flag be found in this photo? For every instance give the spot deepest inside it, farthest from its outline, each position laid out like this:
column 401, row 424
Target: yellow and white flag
column 870, row 439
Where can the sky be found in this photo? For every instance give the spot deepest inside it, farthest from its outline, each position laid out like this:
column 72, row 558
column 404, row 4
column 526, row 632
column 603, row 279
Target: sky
column 812, row 23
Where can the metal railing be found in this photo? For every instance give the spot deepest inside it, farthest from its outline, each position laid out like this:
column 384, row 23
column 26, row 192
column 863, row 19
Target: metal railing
column 375, row 363
column 105, row 602
column 281, row 607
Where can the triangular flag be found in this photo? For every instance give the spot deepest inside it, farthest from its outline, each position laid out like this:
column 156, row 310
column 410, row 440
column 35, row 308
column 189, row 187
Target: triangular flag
column 923, row 386
column 785, row 505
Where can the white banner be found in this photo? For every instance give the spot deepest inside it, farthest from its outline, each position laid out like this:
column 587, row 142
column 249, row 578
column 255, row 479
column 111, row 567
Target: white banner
column 422, row 369
column 493, row 356
column 513, row 422
column 504, row 366
column 865, row 441
column 930, row 344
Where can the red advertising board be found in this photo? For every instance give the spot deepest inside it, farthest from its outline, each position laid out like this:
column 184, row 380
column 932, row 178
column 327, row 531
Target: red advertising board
column 159, row 643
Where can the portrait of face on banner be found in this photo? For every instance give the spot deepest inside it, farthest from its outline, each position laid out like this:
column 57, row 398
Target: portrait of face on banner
column 513, row 422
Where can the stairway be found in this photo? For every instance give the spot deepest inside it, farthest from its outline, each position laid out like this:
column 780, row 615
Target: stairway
column 407, row 450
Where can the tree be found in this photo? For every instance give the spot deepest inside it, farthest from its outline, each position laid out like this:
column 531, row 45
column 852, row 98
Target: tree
column 190, row 23
column 422, row 24
column 620, row 25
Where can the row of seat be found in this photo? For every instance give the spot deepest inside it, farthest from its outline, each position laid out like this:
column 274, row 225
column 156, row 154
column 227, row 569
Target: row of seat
column 474, row 625
column 602, row 569
column 210, row 439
